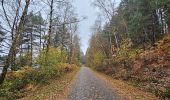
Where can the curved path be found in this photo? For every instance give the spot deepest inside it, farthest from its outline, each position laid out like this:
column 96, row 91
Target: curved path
column 88, row 86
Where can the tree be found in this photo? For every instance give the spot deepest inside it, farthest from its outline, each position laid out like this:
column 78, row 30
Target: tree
column 12, row 51
column 32, row 37
column 2, row 39
column 75, row 55
column 145, row 19
column 108, row 7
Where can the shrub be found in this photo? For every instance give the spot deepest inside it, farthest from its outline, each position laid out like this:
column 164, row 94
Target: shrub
column 54, row 57
column 17, row 81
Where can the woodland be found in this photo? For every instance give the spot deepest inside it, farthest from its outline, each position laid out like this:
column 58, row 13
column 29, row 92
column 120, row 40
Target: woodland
column 133, row 44
column 39, row 41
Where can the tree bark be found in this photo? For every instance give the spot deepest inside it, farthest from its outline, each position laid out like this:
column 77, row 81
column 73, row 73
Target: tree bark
column 31, row 47
column 15, row 41
column 153, row 28
column 40, row 39
column 49, row 30
column 162, row 24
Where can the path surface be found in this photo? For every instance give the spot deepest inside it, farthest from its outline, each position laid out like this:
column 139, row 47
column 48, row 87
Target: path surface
column 88, row 86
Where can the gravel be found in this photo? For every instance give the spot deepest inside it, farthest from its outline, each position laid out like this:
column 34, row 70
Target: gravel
column 88, row 86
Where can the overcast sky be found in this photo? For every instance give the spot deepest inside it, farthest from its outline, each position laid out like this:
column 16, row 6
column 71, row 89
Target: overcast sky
column 85, row 8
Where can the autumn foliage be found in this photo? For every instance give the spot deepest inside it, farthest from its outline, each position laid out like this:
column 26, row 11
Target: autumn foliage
column 147, row 69
column 19, row 83
column 152, row 67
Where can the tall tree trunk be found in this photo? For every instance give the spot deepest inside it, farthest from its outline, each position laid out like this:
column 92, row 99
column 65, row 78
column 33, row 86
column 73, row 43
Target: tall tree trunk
column 20, row 55
column 153, row 28
column 162, row 24
column 49, row 30
column 50, row 26
column 13, row 57
column 144, row 39
column 15, row 41
column 110, row 40
column 40, row 39
column 62, row 41
column 31, row 47
column 71, row 49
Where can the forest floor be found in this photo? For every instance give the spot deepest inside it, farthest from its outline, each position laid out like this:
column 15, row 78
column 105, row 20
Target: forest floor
column 126, row 90
column 88, row 85
column 54, row 89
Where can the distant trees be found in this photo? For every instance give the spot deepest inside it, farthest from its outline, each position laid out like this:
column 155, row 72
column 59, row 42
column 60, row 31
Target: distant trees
column 32, row 37
column 96, row 52
column 75, row 51
column 109, row 10
column 141, row 22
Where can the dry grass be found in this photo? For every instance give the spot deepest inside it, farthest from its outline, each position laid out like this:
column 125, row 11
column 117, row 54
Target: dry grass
column 126, row 91
column 55, row 89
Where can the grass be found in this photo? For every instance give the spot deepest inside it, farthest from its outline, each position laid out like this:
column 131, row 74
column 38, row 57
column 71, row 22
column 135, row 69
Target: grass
column 56, row 88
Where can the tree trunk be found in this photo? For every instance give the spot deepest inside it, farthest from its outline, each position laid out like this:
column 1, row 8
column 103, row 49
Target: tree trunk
column 50, row 26
column 144, row 39
column 49, row 30
column 15, row 41
column 116, row 40
column 162, row 24
column 40, row 39
column 31, row 47
column 62, row 42
column 153, row 29
column 71, row 49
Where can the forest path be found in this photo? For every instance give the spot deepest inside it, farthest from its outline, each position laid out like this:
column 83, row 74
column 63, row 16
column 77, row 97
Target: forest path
column 89, row 86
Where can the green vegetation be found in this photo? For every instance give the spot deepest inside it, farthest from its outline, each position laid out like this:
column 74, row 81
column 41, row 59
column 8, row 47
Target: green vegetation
column 18, row 83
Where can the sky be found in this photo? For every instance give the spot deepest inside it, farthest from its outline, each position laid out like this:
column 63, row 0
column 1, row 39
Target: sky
column 85, row 8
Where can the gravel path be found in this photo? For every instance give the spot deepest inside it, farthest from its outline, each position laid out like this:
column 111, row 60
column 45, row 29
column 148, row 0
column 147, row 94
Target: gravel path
column 88, row 86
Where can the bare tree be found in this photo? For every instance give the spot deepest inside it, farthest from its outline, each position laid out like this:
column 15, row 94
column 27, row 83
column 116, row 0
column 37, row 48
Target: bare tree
column 108, row 7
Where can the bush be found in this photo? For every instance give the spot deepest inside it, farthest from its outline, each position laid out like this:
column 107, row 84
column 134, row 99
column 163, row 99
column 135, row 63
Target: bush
column 16, row 82
column 54, row 57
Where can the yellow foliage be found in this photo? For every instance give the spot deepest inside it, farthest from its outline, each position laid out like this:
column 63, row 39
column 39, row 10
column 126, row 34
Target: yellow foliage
column 98, row 59
column 125, row 52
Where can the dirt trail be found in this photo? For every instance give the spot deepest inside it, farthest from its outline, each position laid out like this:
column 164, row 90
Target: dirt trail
column 89, row 86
